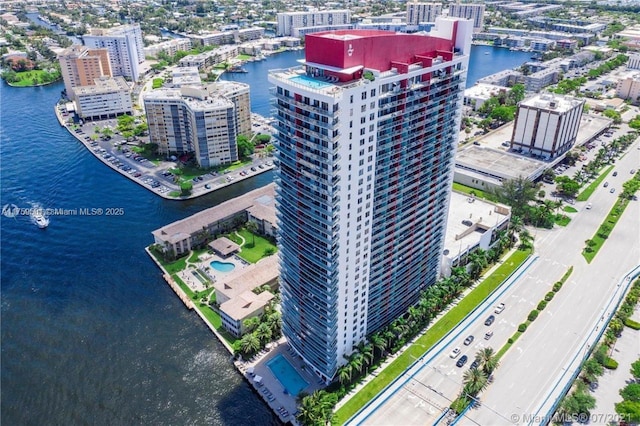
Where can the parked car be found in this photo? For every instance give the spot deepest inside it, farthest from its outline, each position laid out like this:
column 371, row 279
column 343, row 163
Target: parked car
column 474, row 364
column 499, row 308
column 468, row 340
column 462, row 361
column 615, row 173
column 606, row 184
column 488, row 335
column 454, row 353
column 612, row 190
column 588, row 206
column 489, row 320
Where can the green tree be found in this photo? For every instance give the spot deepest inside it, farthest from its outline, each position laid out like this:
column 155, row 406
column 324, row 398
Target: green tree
column 516, row 193
column 517, row 93
column 344, row 374
column 251, row 323
column 635, row 370
column 487, row 360
column 629, row 411
column 474, row 381
column 249, row 343
column 631, row 392
column 186, row 187
column 253, row 228
column 503, row 113
column 263, row 332
column 245, row 148
column 591, row 370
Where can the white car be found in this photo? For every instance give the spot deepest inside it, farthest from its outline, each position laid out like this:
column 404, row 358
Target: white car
column 499, row 308
column 588, row 206
column 454, row 353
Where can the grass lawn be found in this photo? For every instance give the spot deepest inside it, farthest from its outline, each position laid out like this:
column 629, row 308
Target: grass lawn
column 610, row 222
column 431, row 337
column 584, row 195
column 196, row 253
column 562, row 219
column 570, row 209
column 253, row 254
column 175, row 194
column 171, row 267
column 26, row 78
column 468, row 190
column 244, row 57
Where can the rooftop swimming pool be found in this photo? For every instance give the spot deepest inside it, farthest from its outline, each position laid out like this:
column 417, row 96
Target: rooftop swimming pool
column 222, row 266
column 287, row 375
column 310, row 82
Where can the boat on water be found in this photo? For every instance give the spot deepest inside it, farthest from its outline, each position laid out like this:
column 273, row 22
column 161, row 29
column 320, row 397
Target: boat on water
column 486, row 53
column 237, row 69
column 40, row 220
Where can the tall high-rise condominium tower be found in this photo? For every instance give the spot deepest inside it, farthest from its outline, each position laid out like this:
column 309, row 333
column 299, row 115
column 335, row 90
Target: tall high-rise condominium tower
column 366, row 137
column 125, row 46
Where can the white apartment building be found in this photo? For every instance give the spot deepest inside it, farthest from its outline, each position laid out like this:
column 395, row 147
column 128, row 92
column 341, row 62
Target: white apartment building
column 108, row 97
column 547, row 125
column 422, row 12
column 629, row 88
column 205, row 121
column 210, row 58
column 125, row 46
column 170, row 47
column 288, row 22
column 475, row 12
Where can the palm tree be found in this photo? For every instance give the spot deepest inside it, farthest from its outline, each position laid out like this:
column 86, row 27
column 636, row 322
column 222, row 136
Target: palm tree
column 308, row 411
column 478, row 261
column 616, row 326
column 515, row 225
column 253, row 228
column 526, row 239
column 487, row 360
column 263, row 332
column 367, row 353
column 378, row 342
column 251, row 323
column 356, row 361
column 344, row 374
column 474, row 381
column 249, row 343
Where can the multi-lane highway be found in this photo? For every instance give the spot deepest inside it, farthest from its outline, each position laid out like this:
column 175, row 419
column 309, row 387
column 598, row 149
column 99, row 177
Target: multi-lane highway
column 532, row 373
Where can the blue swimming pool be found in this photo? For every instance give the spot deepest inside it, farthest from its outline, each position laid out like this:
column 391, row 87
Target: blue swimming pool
column 287, row 375
column 222, row 266
column 310, row 82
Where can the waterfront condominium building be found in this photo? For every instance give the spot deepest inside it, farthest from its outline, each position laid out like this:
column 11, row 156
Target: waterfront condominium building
column 289, row 22
column 366, row 135
column 547, row 125
column 80, row 66
column 422, row 12
column 475, row 12
column 106, row 97
column 205, row 121
column 125, row 46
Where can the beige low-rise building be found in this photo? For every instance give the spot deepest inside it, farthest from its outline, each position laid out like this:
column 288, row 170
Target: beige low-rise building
column 237, row 297
column 629, row 88
column 181, row 236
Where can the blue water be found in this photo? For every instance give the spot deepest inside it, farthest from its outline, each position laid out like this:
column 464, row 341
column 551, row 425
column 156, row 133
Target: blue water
column 91, row 334
column 287, row 375
column 480, row 65
column 222, row 266
column 309, row 82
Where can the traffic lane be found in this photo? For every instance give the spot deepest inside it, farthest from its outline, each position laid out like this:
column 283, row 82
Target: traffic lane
column 585, row 298
column 441, row 372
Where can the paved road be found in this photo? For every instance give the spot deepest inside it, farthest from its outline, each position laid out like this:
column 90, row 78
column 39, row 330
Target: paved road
column 531, row 369
column 530, row 373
